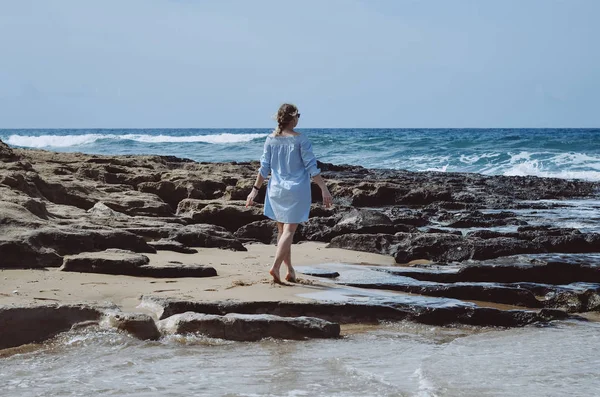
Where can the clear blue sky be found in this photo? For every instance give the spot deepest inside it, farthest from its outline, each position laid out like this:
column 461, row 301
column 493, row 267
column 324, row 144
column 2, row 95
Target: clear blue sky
column 345, row 63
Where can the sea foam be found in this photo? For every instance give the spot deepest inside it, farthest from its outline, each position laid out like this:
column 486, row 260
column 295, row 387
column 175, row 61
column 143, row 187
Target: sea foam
column 57, row 141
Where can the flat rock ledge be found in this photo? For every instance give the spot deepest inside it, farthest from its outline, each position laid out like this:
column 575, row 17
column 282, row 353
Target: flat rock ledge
column 25, row 324
column 248, row 327
column 130, row 264
column 20, row 325
column 372, row 311
column 171, row 245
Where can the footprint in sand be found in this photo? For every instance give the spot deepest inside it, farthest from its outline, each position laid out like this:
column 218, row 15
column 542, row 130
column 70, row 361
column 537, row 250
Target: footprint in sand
column 239, row 283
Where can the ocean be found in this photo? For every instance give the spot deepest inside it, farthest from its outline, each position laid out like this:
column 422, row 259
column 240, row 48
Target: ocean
column 396, row 359
column 559, row 153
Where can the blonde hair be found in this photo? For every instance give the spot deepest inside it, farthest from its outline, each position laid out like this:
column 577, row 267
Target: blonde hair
column 284, row 116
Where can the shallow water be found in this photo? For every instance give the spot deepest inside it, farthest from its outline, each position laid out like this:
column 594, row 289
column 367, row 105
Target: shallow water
column 401, row 359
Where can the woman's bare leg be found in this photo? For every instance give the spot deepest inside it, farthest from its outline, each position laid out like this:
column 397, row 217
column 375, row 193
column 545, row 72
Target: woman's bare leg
column 283, row 249
column 291, row 274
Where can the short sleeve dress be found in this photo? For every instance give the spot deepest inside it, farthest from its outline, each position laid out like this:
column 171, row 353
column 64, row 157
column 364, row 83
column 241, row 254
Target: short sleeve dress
column 291, row 162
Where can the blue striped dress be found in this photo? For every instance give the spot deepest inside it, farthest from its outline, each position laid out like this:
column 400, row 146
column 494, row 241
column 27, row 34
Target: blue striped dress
column 291, row 163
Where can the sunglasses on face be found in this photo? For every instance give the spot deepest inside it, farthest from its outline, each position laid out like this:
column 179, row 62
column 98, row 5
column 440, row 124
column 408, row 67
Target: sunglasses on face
column 298, row 115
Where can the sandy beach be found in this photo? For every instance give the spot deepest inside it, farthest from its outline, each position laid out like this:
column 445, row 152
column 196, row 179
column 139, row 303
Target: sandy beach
column 241, row 276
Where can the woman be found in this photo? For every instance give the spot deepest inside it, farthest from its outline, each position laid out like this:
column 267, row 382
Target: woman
column 289, row 158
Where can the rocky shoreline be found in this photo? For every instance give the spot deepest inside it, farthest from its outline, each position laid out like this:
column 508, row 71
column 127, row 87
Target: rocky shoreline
column 455, row 238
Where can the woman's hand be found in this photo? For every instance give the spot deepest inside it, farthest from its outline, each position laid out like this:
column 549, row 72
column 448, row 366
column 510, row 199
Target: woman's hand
column 327, row 199
column 251, row 197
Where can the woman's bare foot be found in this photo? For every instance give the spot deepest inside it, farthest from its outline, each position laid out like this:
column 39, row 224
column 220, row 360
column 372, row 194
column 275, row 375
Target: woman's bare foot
column 291, row 276
column 275, row 274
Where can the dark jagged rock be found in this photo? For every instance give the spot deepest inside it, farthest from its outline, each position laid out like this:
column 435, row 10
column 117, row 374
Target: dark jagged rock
column 544, row 272
column 377, row 194
column 45, row 246
column 116, row 173
column 261, row 231
column 435, row 247
column 358, row 221
column 6, row 153
column 209, row 236
column 403, row 216
column 384, row 244
column 107, row 262
column 442, row 231
column 479, row 219
column 24, row 214
column 177, row 271
column 245, row 327
column 311, row 271
column 18, row 254
column 137, row 203
column 574, row 301
column 464, row 291
column 426, row 195
column 170, row 192
column 406, row 247
column 503, row 246
column 228, row 216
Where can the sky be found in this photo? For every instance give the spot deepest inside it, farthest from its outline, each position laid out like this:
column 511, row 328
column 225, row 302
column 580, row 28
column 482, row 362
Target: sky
column 344, row 63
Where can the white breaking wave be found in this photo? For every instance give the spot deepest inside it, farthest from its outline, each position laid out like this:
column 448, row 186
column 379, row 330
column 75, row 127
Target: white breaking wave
column 534, row 168
column 46, row 141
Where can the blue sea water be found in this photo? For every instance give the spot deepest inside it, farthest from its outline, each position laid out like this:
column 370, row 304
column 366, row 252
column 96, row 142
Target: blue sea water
column 561, row 153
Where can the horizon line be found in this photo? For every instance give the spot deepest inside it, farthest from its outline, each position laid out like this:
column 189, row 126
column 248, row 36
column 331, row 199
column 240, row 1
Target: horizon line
column 302, row 128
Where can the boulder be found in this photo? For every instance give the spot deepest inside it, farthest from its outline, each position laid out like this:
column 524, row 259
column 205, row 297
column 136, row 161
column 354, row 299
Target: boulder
column 16, row 253
column 6, row 153
column 311, row 271
column 16, row 215
column 364, row 217
column 479, row 219
column 264, row 231
column 67, row 193
column 131, row 264
column 426, row 195
column 106, row 262
column 101, row 210
column 231, row 217
column 383, row 244
column 502, row 246
column 377, row 194
column 203, row 235
column 142, row 326
column 138, row 203
column 170, row 245
column 68, row 241
column 170, row 192
column 249, row 327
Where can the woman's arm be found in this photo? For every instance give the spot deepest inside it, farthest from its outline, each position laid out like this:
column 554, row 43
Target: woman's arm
column 310, row 163
column 327, row 198
column 263, row 173
column 255, row 188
